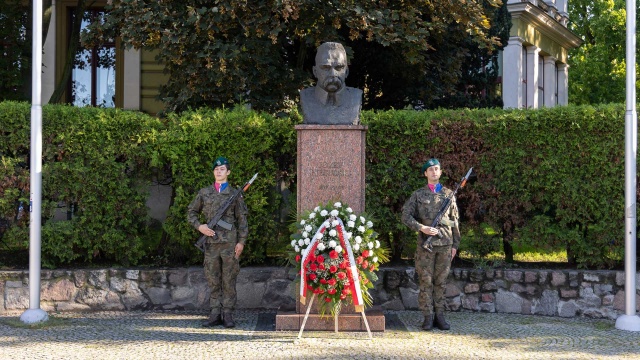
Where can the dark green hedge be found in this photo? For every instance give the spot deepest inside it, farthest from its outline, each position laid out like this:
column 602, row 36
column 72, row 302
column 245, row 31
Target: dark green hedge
column 548, row 178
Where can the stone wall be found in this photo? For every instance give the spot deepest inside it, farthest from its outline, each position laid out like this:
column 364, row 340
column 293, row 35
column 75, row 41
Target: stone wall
column 564, row 293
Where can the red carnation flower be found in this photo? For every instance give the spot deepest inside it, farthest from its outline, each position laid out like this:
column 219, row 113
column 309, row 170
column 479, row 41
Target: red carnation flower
column 309, row 287
column 332, row 281
column 327, row 299
column 313, row 267
column 333, row 254
column 365, row 253
column 333, row 269
column 342, row 275
column 321, row 267
column 312, row 257
column 342, row 297
column 297, row 258
column 323, row 281
column 359, row 259
column 313, row 276
column 316, row 291
column 372, row 267
column 331, row 291
column 320, row 259
column 365, row 264
column 344, row 265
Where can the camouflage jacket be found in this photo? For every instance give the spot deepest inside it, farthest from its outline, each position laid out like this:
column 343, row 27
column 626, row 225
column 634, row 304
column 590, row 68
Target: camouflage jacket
column 207, row 202
column 422, row 208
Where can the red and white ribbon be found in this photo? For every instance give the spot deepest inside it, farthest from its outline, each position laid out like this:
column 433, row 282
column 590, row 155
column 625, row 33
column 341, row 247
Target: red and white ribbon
column 352, row 272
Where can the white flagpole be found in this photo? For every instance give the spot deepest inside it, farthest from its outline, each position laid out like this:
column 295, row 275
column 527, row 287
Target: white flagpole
column 34, row 314
column 629, row 321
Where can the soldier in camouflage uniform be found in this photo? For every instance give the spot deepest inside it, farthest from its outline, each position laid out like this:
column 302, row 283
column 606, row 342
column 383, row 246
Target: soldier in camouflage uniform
column 432, row 267
column 222, row 247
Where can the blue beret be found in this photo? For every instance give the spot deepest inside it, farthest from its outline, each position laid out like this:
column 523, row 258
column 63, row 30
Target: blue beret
column 428, row 164
column 220, row 161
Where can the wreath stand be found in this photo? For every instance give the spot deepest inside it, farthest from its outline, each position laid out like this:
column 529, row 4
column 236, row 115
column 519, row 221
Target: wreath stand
column 335, row 319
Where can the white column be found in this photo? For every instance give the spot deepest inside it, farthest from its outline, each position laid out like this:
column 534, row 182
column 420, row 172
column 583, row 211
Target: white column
column 563, row 84
column 49, row 59
column 550, row 75
column 131, row 85
column 532, row 77
column 512, row 74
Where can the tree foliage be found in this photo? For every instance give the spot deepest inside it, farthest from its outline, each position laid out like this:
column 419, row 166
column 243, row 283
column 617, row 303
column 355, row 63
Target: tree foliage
column 261, row 52
column 597, row 68
column 15, row 44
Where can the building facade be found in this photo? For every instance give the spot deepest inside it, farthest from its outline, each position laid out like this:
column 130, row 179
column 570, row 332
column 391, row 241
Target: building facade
column 534, row 62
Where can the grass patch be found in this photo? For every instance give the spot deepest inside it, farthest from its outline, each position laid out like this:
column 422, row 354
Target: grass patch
column 604, row 325
column 15, row 322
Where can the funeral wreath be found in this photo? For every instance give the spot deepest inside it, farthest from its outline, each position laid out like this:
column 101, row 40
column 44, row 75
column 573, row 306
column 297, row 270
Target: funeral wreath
column 337, row 255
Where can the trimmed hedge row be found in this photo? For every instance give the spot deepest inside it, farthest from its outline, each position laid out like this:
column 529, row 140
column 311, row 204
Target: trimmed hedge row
column 548, row 178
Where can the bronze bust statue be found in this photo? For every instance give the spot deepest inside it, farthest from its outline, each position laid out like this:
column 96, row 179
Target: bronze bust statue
column 330, row 101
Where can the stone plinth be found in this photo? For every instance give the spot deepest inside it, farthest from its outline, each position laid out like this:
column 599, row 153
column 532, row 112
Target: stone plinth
column 291, row 320
column 331, row 165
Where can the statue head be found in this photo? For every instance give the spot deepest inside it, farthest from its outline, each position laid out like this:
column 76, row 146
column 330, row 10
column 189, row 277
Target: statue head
column 331, row 67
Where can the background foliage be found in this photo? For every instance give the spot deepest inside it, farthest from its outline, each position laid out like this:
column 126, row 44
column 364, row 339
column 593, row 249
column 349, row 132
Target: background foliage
column 261, row 52
column 544, row 178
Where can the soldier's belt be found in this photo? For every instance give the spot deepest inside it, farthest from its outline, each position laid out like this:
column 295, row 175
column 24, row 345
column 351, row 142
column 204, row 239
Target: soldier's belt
column 447, row 222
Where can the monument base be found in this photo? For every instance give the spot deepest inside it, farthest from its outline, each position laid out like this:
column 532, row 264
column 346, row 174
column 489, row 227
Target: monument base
column 292, row 321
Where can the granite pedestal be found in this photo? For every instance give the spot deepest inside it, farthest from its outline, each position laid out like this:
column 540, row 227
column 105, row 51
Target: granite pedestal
column 331, row 160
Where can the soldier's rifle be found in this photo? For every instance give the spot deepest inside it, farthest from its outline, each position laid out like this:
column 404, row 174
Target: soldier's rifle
column 217, row 221
column 427, row 244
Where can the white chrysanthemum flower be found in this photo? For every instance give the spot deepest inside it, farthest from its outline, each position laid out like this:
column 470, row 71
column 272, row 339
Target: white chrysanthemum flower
column 369, row 224
column 338, row 248
column 377, row 244
column 370, row 245
column 337, row 205
column 351, row 224
column 305, row 234
column 361, row 228
column 349, row 210
column 297, row 248
column 307, row 241
column 303, row 252
column 375, row 259
column 300, row 242
column 356, row 247
column 333, row 233
column 321, row 247
column 326, row 224
column 332, row 244
column 319, row 236
column 312, row 215
column 334, row 213
column 358, row 239
column 308, row 228
column 293, row 243
column 335, row 223
column 302, row 222
column 347, row 235
column 352, row 217
column 323, row 213
column 370, row 253
column 362, row 219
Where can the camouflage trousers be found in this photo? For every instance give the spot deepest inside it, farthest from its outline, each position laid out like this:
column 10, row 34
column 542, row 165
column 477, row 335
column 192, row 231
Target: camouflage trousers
column 432, row 269
column 221, row 269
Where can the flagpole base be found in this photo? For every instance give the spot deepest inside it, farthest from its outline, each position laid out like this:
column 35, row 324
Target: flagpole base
column 34, row 316
column 628, row 322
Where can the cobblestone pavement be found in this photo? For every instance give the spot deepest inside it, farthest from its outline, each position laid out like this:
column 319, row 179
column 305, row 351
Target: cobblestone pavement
column 178, row 335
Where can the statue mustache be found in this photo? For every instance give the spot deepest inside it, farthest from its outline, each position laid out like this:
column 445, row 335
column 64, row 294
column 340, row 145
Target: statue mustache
column 333, row 81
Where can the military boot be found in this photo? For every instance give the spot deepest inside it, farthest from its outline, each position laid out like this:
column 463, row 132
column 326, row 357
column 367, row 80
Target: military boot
column 213, row 320
column 428, row 322
column 227, row 320
column 440, row 322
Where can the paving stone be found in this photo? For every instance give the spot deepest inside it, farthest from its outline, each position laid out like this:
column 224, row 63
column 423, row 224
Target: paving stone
column 178, row 335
